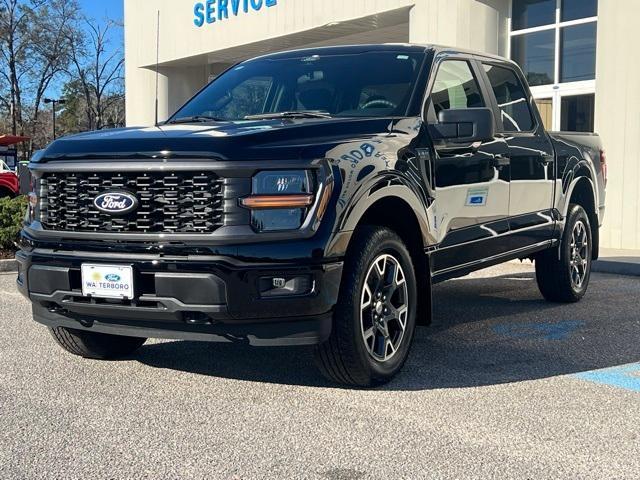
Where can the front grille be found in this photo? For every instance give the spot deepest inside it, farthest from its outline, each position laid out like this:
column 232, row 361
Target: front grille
column 169, row 202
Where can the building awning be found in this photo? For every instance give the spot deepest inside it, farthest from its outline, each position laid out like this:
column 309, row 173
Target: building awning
column 6, row 140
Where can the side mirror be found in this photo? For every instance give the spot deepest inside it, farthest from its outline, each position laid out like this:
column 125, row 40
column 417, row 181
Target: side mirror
column 464, row 125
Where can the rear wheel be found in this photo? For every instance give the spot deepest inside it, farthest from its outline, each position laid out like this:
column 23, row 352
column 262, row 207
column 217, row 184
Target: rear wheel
column 564, row 276
column 99, row 346
column 375, row 318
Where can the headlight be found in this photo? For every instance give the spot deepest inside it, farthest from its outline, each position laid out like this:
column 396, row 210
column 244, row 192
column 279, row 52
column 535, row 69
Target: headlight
column 280, row 200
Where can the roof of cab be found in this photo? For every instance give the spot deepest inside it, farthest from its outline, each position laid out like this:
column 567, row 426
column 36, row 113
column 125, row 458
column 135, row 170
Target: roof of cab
column 378, row 47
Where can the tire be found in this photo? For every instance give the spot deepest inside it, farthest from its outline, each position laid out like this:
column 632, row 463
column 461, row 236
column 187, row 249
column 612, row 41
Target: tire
column 362, row 350
column 565, row 277
column 97, row 346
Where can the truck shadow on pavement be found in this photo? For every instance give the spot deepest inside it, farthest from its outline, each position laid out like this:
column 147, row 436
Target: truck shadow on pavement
column 486, row 331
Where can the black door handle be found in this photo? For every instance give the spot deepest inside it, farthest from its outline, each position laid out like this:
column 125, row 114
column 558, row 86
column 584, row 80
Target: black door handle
column 546, row 159
column 500, row 161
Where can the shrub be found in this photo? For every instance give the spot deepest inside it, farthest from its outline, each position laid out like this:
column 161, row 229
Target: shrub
column 12, row 212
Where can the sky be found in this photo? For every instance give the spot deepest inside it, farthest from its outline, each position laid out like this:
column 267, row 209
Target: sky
column 101, row 8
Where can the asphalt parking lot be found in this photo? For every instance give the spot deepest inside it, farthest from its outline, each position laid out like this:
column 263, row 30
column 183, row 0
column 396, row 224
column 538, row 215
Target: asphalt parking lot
column 504, row 385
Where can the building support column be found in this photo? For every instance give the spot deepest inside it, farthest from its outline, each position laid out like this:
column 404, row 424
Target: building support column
column 480, row 25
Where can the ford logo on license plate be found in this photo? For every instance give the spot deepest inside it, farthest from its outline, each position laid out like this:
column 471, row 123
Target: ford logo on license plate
column 116, row 203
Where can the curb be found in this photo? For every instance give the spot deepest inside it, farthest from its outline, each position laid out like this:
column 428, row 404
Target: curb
column 617, row 267
column 8, row 266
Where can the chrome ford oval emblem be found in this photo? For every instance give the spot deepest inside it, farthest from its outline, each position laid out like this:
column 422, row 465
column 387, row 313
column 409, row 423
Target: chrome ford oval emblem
column 116, row 203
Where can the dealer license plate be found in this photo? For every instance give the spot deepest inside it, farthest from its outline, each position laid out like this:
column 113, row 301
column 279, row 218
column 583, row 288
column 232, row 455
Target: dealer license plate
column 107, row 281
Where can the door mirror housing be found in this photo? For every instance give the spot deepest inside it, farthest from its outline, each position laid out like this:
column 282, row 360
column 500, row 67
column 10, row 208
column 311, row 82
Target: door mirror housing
column 464, row 125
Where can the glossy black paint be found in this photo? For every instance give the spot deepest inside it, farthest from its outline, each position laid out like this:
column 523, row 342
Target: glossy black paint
column 370, row 162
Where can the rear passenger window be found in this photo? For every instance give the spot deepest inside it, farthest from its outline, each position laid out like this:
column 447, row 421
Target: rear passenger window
column 512, row 99
column 455, row 87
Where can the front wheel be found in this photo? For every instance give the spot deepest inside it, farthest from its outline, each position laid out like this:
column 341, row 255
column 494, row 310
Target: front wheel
column 98, row 346
column 563, row 276
column 375, row 317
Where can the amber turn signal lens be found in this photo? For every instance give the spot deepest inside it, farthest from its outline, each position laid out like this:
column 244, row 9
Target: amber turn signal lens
column 324, row 202
column 256, row 202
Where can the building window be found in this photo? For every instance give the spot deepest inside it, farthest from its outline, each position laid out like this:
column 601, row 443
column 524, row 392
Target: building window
column 578, row 53
column 554, row 42
column 533, row 13
column 545, row 107
column 535, row 52
column 577, row 9
column 578, row 113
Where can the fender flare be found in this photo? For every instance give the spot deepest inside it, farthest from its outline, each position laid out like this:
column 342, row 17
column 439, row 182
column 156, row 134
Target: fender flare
column 572, row 186
column 11, row 186
column 577, row 168
column 387, row 188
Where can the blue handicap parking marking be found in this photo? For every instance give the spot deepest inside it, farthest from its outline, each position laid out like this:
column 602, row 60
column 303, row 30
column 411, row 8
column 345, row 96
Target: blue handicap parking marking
column 545, row 330
column 624, row 376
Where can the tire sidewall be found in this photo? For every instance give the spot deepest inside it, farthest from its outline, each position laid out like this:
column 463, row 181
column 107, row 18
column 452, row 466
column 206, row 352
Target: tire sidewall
column 577, row 214
column 391, row 244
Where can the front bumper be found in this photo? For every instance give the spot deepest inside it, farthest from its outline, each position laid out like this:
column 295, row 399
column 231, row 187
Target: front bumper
column 207, row 298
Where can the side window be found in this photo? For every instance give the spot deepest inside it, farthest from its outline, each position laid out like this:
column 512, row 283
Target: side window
column 512, row 100
column 455, row 87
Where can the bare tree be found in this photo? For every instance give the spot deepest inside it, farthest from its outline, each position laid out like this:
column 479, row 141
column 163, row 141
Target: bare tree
column 34, row 51
column 14, row 46
column 45, row 41
column 52, row 48
column 99, row 70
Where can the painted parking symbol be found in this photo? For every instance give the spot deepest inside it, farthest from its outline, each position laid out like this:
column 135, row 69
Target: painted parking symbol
column 626, row 377
column 544, row 330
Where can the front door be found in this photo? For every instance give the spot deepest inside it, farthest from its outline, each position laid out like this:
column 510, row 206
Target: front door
column 532, row 159
column 471, row 181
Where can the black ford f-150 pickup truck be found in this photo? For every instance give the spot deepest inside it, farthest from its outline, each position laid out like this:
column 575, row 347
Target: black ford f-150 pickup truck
column 310, row 197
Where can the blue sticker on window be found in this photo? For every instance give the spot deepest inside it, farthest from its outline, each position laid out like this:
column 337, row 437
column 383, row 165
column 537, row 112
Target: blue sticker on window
column 477, row 197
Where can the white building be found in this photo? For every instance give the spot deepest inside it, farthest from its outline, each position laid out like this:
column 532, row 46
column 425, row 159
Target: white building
column 579, row 56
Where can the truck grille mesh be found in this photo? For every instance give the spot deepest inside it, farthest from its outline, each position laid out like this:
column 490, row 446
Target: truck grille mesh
column 180, row 202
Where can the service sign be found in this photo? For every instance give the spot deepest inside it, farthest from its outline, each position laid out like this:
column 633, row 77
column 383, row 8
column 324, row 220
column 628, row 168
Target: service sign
column 107, row 281
column 213, row 11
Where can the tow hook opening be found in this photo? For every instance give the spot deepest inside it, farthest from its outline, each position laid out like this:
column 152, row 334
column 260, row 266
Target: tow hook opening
column 197, row 318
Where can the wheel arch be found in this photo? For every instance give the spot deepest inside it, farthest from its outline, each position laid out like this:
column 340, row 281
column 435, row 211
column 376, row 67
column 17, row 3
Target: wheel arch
column 6, row 192
column 395, row 213
column 583, row 192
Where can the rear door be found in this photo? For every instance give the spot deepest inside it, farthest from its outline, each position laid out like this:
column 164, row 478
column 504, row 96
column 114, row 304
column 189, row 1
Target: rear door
column 471, row 181
column 532, row 156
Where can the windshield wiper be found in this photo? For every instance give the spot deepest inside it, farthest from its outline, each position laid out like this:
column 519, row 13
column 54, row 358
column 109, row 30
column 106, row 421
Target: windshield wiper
column 196, row 119
column 298, row 114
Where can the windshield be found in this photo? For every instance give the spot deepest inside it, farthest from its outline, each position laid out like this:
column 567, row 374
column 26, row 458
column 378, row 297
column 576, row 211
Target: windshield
column 371, row 84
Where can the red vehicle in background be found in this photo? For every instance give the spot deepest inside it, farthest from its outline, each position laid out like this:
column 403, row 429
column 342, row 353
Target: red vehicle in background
column 9, row 184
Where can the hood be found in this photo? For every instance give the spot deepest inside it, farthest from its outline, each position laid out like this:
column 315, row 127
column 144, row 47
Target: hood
column 280, row 139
